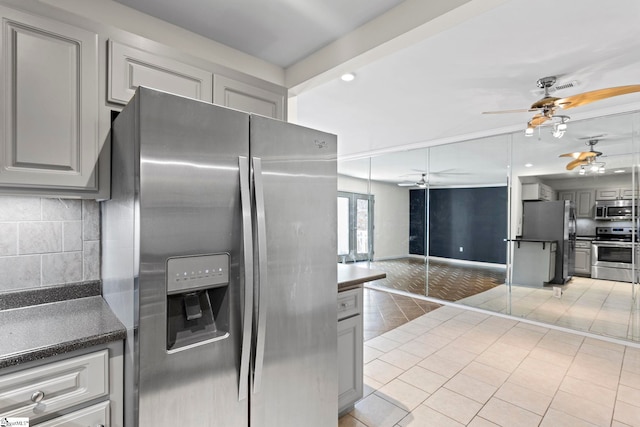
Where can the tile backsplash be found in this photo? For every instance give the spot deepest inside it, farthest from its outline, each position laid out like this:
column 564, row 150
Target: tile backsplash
column 47, row 242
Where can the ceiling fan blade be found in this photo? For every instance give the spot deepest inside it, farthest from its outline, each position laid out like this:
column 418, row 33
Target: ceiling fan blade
column 537, row 120
column 595, row 95
column 575, row 163
column 521, row 110
column 406, row 184
column 581, row 155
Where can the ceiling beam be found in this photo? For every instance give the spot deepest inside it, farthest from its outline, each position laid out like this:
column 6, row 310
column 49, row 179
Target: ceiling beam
column 410, row 22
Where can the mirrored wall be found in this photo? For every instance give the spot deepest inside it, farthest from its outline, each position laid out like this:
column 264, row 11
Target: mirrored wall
column 512, row 223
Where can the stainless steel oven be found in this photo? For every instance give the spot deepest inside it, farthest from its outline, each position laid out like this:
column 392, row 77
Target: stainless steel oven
column 613, row 254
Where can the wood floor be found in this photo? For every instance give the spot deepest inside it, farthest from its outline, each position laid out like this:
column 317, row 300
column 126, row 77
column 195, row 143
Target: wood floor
column 446, row 280
column 384, row 311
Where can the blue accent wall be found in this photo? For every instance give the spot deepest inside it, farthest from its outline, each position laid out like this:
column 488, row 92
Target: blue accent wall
column 472, row 218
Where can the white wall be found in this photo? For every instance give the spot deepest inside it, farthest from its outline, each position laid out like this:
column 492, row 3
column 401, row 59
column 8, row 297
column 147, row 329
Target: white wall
column 390, row 215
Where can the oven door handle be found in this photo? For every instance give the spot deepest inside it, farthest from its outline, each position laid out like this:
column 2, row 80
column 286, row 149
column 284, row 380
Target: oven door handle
column 614, row 244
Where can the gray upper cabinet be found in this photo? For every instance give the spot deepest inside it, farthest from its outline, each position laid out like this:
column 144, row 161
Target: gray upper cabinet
column 584, row 200
column 537, row 191
column 615, row 193
column 245, row 97
column 130, row 67
column 49, row 141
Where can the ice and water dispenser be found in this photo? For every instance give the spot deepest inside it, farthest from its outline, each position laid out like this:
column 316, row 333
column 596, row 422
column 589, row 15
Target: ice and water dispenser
column 197, row 300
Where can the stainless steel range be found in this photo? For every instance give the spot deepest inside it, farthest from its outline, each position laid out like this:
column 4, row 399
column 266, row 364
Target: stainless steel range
column 612, row 253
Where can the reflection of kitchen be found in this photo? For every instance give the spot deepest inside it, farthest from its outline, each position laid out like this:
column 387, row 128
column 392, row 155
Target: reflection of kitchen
column 567, row 229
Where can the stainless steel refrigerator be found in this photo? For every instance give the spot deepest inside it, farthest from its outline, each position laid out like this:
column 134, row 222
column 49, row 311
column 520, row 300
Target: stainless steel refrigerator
column 553, row 221
column 219, row 245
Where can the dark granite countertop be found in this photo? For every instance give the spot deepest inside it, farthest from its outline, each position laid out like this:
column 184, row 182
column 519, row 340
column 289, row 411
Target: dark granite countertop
column 34, row 332
column 351, row 276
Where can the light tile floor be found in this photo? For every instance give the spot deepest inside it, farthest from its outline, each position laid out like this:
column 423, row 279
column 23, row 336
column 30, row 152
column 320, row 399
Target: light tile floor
column 456, row 367
column 603, row 307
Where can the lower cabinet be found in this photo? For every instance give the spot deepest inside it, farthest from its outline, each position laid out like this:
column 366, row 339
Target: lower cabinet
column 350, row 349
column 583, row 258
column 93, row 416
column 82, row 388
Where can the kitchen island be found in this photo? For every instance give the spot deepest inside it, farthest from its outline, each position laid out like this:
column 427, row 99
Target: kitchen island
column 534, row 262
column 350, row 336
column 351, row 276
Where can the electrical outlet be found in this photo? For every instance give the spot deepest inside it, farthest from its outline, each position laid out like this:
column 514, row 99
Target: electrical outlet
column 557, row 292
column 460, row 248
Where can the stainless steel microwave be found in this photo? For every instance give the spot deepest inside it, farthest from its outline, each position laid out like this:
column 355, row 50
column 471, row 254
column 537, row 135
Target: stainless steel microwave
column 615, row 209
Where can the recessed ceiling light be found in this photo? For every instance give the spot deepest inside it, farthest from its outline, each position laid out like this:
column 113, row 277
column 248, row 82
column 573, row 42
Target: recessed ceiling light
column 347, row 77
column 528, row 165
column 618, row 171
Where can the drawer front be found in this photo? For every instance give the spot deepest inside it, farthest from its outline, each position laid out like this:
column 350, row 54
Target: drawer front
column 43, row 390
column 94, row 416
column 586, row 244
column 349, row 303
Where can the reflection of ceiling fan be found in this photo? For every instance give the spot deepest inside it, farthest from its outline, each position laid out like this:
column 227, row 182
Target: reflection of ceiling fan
column 424, row 177
column 548, row 105
column 583, row 158
column 420, row 183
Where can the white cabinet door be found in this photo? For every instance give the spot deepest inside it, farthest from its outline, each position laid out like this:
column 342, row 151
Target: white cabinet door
column 585, row 201
column 49, row 106
column 130, row 67
column 628, row 193
column 607, row 193
column 537, row 191
column 583, row 261
column 350, row 359
column 567, row 195
column 244, row 97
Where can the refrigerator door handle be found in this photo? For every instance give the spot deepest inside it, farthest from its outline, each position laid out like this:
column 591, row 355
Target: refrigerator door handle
column 262, row 273
column 247, row 245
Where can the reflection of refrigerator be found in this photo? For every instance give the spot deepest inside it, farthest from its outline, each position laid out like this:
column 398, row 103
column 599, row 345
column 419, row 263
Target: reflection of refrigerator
column 553, row 221
column 219, row 257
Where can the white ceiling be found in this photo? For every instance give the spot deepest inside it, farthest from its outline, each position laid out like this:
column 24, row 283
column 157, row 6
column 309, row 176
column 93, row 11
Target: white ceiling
column 281, row 32
column 440, row 75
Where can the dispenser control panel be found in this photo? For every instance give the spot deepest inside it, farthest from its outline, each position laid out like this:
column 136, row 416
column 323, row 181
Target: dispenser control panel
column 197, row 272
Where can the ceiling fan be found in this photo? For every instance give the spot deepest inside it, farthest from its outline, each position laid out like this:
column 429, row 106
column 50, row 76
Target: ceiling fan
column 583, row 158
column 547, row 106
column 422, row 183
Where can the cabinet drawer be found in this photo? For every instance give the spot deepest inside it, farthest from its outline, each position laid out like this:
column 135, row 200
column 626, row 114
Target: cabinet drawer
column 583, row 244
column 46, row 389
column 96, row 415
column 349, row 303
